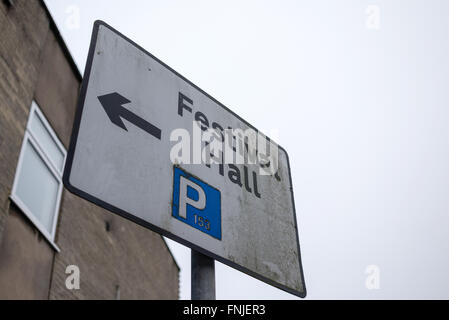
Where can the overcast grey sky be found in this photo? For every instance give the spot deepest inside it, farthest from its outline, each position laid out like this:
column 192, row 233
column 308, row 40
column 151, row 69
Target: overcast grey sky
column 358, row 91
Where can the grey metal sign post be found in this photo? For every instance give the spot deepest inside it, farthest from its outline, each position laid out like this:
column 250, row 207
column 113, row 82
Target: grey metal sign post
column 127, row 154
column 203, row 277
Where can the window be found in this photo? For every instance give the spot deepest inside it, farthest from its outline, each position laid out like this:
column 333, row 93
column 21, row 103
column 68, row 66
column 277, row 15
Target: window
column 38, row 184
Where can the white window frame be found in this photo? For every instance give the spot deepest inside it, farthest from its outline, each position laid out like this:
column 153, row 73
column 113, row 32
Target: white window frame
column 54, row 170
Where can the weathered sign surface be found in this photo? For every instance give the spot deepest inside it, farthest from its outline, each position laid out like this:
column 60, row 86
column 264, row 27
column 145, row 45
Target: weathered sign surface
column 135, row 151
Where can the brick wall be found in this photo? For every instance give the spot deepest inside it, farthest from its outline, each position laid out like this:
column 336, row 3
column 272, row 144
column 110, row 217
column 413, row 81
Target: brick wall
column 112, row 253
column 24, row 30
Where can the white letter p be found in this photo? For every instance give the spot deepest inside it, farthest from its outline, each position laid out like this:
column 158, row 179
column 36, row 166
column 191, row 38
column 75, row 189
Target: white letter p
column 184, row 200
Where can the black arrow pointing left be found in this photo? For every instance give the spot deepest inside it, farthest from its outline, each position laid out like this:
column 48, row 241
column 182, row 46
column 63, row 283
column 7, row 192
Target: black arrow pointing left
column 113, row 105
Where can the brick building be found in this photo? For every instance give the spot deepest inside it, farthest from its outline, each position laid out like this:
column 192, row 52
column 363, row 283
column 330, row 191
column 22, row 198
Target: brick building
column 43, row 228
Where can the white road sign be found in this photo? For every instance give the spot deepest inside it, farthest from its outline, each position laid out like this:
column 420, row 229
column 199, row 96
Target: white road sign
column 149, row 145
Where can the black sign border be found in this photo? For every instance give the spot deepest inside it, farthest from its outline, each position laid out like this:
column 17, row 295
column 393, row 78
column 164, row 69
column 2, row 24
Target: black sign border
column 143, row 223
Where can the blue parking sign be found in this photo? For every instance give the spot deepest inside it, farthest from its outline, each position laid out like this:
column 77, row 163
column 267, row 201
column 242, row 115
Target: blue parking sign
column 196, row 203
